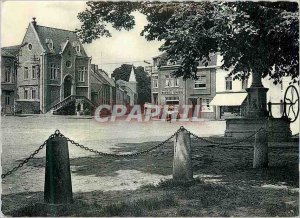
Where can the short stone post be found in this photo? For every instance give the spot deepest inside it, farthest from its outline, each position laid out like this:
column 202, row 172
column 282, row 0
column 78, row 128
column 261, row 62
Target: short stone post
column 58, row 185
column 182, row 162
column 260, row 157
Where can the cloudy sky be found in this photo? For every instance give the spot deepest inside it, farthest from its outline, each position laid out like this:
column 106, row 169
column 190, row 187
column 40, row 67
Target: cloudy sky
column 124, row 46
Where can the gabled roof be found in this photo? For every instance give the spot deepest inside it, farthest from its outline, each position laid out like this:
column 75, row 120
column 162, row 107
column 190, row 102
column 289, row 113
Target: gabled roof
column 10, row 51
column 58, row 36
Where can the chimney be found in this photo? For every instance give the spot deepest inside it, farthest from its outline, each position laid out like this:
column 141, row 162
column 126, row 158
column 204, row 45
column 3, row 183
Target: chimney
column 33, row 21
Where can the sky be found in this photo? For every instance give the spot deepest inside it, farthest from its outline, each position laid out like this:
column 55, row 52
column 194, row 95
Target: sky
column 123, row 46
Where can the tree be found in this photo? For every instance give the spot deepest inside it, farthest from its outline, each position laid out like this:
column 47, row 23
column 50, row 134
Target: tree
column 257, row 37
column 142, row 78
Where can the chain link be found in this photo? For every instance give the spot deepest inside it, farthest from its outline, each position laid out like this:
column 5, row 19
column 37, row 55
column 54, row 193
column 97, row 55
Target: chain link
column 58, row 134
column 123, row 155
column 226, row 143
column 31, row 156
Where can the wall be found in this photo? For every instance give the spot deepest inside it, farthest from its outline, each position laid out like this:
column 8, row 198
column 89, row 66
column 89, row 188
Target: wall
column 29, row 58
column 27, row 107
column 8, row 89
column 53, row 86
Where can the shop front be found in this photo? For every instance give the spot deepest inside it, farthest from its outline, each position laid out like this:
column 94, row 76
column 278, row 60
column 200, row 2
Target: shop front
column 229, row 104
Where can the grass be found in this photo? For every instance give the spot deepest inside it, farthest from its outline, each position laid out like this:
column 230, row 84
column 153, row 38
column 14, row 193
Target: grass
column 137, row 207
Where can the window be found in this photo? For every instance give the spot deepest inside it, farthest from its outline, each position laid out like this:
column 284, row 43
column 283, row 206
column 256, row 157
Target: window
column 167, row 80
column 78, row 48
column 34, row 69
column 176, row 82
column 206, row 105
column 200, row 83
column 244, row 83
column 228, row 83
column 49, row 43
column 172, row 100
column 7, row 100
column 155, row 81
column 33, row 94
column 7, row 75
column 53, row 71
column 25, row 72
column 171, row 62
column 81, row 71
column 172, row 81
column 68, row 64
column 13, row 75
column 25, row 94
column 29, row 47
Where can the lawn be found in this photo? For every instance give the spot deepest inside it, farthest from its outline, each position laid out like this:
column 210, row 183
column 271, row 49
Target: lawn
column 225, row 184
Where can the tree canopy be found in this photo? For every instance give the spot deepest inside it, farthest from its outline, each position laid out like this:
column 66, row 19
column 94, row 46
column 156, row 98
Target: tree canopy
column 260, row 37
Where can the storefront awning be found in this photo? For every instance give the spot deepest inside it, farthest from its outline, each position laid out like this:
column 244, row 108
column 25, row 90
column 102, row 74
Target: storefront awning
column 228, row 99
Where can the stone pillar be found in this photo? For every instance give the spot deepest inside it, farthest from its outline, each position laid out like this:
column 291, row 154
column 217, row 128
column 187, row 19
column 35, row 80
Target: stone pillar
column 58, row 185
column 257, row 98
column 260, row 156
column 182, row 162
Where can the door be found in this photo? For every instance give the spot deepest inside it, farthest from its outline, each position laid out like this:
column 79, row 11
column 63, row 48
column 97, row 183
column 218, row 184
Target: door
column 67, row 86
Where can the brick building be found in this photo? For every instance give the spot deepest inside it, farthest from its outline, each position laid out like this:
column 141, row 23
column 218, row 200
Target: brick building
column 166, row 89
column 53, row 66
column 8, row 78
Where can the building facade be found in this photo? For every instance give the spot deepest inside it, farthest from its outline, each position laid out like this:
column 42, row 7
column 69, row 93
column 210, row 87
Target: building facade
column 53, row 65
column 130, row 89
column 231, row 95
column 8, row 78
column 166, row 89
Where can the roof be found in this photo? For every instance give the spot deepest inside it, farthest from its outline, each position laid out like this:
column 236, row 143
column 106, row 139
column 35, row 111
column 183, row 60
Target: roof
column 103, row 76
column 212, row 62
column 59, row 38
column 132, row 76
column 10, row 51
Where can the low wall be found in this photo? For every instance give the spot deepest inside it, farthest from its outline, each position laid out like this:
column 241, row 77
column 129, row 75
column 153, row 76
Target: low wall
column 27, row 107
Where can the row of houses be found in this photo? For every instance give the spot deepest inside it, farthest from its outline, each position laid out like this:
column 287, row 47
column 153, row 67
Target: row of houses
column 50, row 72
column 218, row 95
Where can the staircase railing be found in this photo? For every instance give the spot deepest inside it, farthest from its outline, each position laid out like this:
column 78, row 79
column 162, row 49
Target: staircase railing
column 68, row 100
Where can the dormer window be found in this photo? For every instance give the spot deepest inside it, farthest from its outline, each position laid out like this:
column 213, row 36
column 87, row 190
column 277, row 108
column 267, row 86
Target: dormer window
column 76, row 45
column 49, row 43
column 171, row 62
column 77, row 48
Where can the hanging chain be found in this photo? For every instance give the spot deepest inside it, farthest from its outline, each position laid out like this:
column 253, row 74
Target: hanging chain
column 58, row 134
column 122, row 155
column 226, row 143
column 31, row 156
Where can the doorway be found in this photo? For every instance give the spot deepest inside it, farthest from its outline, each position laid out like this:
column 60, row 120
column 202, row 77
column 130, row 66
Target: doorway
column 67, row 86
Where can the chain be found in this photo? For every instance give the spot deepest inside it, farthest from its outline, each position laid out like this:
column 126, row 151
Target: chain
column 122, row 155
column 227, row 143
column 30, row 156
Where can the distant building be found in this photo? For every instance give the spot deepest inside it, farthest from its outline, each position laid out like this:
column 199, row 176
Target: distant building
column 102, row 86
column 130, row 88
column 166, row 89
column 215, row 92
column 8, row 78
column 53, row 66
column 231, row 95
